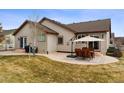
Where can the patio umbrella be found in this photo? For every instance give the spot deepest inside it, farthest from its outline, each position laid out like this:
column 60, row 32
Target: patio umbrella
column 88, row 39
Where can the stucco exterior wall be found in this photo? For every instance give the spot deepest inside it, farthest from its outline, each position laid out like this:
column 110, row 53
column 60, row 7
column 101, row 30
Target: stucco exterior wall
column 67, row 35
column 28, row 31
column 24, row 32
column 105, row 44
column 108, row 39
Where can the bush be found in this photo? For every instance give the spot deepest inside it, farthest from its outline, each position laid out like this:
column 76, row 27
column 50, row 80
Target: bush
column 113, row 51
column 117, row 53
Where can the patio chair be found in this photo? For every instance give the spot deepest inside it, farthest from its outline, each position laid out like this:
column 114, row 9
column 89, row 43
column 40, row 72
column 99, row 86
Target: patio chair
column 87, row 53
column 83, row 52
column 92, row 52
column 78, row 52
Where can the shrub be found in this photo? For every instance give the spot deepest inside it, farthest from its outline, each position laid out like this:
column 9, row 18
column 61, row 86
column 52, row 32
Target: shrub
column 113, row 51
column 117, row 53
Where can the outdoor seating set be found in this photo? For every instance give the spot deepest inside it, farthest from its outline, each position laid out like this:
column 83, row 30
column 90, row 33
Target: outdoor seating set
column 85, row 52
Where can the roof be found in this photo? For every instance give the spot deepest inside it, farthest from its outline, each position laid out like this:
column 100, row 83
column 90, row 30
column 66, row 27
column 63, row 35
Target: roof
column 91, row 26
column 82, row 27
column 121, row 39
column 7, row 32
column 46, row 29
column 57, row 23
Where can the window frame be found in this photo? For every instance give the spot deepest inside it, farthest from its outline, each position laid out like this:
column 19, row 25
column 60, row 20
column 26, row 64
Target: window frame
column 42, row 37
column 62, row 40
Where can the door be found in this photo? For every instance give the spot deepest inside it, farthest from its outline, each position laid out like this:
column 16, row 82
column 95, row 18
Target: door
column 23, row 42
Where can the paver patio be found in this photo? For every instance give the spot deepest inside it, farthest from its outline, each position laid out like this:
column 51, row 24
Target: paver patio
column 61, row 57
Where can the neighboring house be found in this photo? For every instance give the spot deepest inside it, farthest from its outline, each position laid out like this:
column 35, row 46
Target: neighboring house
column 119, row 41
column 7, row 40
column 51, row 36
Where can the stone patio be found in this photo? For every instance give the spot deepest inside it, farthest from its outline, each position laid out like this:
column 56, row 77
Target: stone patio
column 99, row 59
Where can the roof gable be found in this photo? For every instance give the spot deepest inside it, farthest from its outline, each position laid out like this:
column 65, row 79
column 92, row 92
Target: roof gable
column 47, row 30
column 57, row 23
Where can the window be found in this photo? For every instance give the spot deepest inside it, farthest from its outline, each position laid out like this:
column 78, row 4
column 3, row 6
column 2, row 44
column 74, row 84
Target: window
column 25, row 41
column 79, row 36
column 94, row 44
column 60, row 40
column 42, row 37
column 102, row 35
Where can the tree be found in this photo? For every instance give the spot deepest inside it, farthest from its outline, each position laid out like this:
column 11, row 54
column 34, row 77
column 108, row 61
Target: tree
column 33, row 25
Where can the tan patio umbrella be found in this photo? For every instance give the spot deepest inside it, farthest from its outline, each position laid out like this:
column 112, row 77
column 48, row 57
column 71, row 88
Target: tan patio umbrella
column 88, row 39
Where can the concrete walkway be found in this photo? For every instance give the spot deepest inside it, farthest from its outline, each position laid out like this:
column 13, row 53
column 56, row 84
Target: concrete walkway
column 6, row 53
column 61, row 57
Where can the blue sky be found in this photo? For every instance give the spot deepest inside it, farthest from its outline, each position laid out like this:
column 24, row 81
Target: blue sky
column 14, row 18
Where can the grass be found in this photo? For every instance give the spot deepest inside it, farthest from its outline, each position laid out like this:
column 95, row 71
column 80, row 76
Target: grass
column 41, row 69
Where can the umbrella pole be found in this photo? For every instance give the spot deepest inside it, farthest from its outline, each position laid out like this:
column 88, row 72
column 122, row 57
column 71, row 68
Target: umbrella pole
column 71, row 48
column 93, row 44
column 87, row 44
column 71, row 55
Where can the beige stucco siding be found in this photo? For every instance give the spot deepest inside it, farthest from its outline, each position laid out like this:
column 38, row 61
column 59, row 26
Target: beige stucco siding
column 42, row 45
column 108, row 39
column 105, row 43
column 24, row 32
column 28, row 31
column 67, row 35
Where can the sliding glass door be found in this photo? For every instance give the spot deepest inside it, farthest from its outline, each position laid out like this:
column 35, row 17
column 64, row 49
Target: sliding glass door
column 23, row 42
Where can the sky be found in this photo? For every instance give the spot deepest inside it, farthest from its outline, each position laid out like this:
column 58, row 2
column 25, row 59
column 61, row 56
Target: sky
column 13, row 18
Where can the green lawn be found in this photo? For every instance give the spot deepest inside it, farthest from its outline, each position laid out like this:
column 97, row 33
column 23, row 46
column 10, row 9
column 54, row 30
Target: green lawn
column 41, row 69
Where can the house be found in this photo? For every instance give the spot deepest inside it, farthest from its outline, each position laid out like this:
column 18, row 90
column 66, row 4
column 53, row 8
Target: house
column 119, row 41
column 7, row 40
column 50, row 36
